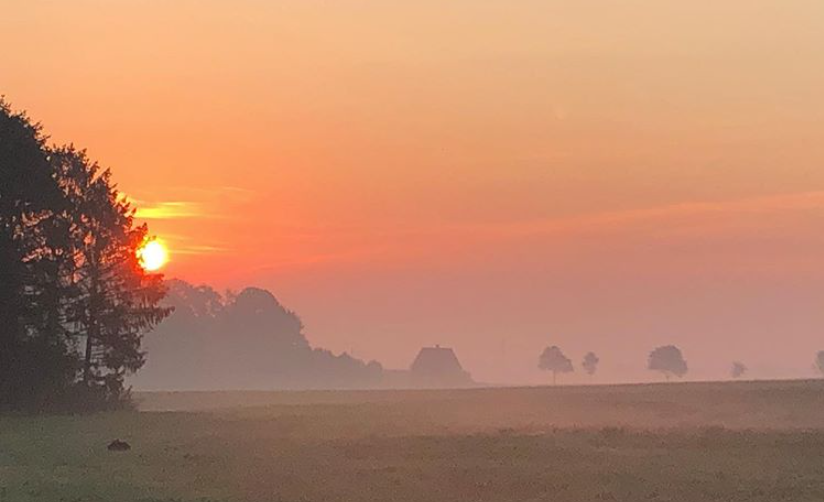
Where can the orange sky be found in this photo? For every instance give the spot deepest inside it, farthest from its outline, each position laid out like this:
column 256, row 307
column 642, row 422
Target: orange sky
column 496, row 176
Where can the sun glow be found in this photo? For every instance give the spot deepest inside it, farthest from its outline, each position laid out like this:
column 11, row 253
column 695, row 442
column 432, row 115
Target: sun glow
column 152, row 255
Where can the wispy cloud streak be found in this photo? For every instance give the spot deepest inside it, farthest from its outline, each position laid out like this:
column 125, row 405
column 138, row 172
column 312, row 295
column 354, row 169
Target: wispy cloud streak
column 168, row 210
column 752, row 206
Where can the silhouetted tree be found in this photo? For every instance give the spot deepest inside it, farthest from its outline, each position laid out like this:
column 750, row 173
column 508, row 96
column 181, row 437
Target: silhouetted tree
column 115, row 301
column 554, row 360
column 738, row 369
column 819, row 361
column 668, row 360
column 590, row 363
column 68, row 272
column 28, row 192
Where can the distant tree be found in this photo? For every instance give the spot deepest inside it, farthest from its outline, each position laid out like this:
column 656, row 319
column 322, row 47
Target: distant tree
column 554, row 360
column 819, row 361
column 738, row 369
column 668, row 360
column 590, row 363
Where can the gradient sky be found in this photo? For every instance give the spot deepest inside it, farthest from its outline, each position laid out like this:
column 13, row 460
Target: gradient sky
column 492, row 175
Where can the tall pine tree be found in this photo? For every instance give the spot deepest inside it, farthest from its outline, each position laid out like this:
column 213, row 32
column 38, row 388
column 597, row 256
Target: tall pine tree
column 115, row 301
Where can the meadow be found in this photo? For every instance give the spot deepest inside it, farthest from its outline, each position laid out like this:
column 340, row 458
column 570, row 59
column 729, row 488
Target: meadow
column 744, row 441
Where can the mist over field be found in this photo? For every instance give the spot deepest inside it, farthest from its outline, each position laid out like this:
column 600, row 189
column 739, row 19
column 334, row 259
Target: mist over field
column 747, row 442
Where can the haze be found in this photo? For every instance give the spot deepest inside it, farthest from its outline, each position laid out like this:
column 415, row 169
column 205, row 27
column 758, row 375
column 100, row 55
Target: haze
column 491, row 176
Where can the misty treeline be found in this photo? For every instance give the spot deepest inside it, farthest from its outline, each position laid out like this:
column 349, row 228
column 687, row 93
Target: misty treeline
column 244, row 340
column 552, row 359
column 74, row 301
column 667, row 360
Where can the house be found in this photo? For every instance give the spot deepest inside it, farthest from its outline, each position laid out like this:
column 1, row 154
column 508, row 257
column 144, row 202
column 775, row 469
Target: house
column 438, row 367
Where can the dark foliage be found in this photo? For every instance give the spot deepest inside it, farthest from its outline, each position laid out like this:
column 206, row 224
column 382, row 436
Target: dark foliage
column 74, row 302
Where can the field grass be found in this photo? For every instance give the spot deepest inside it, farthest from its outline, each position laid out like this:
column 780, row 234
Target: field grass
column 680, row 442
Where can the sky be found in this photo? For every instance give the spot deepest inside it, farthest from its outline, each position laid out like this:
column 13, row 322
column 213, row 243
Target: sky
column 489, row 175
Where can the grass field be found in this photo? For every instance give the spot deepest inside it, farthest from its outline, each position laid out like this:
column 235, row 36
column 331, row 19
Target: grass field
column 680, row 442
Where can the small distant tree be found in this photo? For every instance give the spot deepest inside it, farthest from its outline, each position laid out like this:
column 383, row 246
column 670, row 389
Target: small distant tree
column 668, row 360
column 590, row 363
column 819, row 361
column 738, row 369
column 554, row 360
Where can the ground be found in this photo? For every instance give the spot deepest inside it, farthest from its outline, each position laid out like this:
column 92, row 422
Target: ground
column 671, row 442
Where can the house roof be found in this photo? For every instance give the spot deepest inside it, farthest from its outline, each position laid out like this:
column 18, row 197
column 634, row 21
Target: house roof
column 436, row 361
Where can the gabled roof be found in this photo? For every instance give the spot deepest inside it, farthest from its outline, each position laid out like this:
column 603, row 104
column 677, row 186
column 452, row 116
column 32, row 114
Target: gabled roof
column 437, row 361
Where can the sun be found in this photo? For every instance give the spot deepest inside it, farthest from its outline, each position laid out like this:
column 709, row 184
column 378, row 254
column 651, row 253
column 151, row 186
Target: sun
column 152, row 255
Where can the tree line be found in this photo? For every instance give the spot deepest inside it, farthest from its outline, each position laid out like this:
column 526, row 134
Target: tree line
column 241, row 340
column 74, row 299
column 667, row 360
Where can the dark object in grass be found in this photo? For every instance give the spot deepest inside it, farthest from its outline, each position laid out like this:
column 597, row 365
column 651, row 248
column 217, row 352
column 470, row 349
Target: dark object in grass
column 118, row 445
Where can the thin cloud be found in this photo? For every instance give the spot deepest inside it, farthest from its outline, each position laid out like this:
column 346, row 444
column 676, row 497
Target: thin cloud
column 201, row 250
column 168, row 210
column 208, row 203
column 763, row 205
